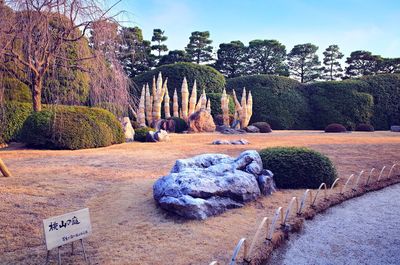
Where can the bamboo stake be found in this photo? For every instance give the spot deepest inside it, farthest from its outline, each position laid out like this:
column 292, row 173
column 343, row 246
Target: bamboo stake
column 208, row 106
column 149, row 106
column 4, row 170
column 203, row 100
column 141, row 114
column 193, row 99
column 167, row 110
column 175, row 105
column 225, row 108
column 185, row 99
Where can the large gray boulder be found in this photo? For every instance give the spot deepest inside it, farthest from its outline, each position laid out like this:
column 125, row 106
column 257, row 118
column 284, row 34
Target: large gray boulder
column 209, row 184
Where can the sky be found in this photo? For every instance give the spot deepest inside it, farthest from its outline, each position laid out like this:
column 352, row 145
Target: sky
column 372, row 25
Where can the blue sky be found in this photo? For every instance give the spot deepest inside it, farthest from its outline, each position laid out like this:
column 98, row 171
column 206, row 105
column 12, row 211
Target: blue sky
column 351, row 24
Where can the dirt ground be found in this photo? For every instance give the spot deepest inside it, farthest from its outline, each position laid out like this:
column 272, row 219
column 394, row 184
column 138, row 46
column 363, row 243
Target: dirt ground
column 116, row 184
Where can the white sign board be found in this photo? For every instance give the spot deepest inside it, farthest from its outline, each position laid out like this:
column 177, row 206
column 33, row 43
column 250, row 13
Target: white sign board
column 66, row 228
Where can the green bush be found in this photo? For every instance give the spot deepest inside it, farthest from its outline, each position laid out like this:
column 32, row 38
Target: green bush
column 67, row 127
column 335, row 128
column 385, row 89
column 206, row 77
column 180, row 124
column 15, row 90
column 140, row 133
column 298, row 168
column 13, row 117
column 276, row 99
column 263, row 127
column 215, row 100
column 364, row 128
column 338, row 102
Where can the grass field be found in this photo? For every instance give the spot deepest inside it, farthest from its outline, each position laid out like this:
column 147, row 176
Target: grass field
column 116, row 184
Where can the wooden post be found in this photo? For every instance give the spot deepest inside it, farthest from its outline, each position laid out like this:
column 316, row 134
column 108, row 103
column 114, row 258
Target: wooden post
column 4, row 169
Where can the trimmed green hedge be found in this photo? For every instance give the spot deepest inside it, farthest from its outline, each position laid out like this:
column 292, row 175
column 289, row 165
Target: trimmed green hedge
column 338, row 102
column 13, row 117
column 180, row 124
column 68, row 127
column 298, row 168
column 385, row 89
column 276, row 100
column 263, row 127
column 15, row 90
column 206, row 77
column 335, row 128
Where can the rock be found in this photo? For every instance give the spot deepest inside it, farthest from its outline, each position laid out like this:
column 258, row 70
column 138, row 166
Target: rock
column 128, row 129
column 209, row 184
column 235, row 142
column 201, row 121
column 150, row 137
column 227, row 130
column 166, row 125
column 161, row 136
column 252, row 129
column 266, row 182
column 395, row 128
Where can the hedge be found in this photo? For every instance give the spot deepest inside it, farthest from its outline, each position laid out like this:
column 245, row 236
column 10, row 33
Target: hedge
column 206, row 78
column 338, row 102
column 335, row 128
column 385, row 89
column 15, row 90
column 13, row 117
column 298, row 168
column 276, row 100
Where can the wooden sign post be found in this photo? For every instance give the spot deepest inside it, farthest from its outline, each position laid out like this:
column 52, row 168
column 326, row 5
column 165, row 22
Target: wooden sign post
column 66, row 228
column 4, row 169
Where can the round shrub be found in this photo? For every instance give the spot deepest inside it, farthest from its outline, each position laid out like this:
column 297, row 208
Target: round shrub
column 298, row 168
column 276, row 99
column 363, row 127
column 180, row 125
column 64, row 127
column 206, row 78
column 140, row 133
column 335, row 128
column 263, row 127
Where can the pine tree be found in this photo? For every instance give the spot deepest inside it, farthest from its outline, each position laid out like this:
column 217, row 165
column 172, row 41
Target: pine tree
column 199, row 48
column 332, row 69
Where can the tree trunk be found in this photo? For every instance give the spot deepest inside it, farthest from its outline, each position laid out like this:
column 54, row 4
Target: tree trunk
column 36, row 89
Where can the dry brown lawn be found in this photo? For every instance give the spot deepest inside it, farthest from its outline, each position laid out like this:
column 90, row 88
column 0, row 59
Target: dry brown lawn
column 116, row 184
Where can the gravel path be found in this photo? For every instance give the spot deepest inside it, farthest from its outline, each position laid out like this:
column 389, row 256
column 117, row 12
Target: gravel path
column 365, row 230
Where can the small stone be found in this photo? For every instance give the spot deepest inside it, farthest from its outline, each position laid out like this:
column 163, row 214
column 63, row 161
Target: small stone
column 395, row 128
column 150, row 137
column 252, row 129
column 161, row 136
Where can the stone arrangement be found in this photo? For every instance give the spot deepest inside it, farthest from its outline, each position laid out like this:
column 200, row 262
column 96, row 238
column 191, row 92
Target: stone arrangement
column 227, row 142
column 209, row 184
column 128, row 129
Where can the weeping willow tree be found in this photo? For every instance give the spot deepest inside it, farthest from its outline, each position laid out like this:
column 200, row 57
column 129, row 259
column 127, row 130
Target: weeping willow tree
column 43, row 42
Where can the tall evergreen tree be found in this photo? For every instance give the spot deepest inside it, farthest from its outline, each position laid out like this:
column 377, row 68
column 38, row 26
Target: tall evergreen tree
column 135, row 53
column 304, row 63
column 267, row 57
column 174, row 56
column 199, row 48
column 332, row 69
column 362, row 63
column 231, row 59
column 159, row 38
